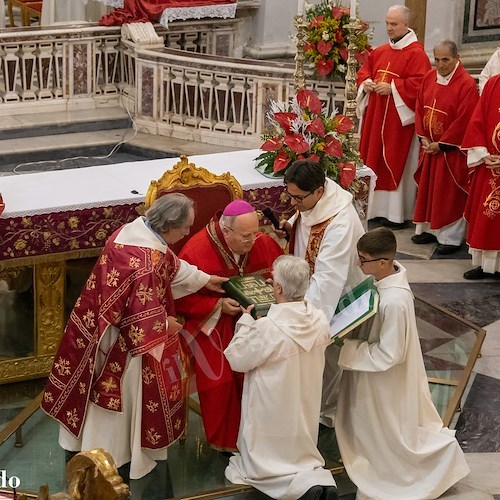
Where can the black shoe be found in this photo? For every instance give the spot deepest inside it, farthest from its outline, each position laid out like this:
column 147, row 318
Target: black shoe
column 447, row 249
column 423, row 239
column 313, row 493
column 394, row 225
column 476, row 274
column 330, row 493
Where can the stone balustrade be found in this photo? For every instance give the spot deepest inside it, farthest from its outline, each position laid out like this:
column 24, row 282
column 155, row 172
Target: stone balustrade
column 191, row 88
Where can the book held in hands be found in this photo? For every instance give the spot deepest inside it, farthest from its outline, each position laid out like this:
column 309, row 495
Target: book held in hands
column 253, row 289
column 354, row 308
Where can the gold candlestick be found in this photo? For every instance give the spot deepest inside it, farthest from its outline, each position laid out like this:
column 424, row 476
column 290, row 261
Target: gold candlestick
column 351, row 88
column 299, row 76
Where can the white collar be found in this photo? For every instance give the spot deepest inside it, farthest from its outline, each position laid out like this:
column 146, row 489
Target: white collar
column 408, row 39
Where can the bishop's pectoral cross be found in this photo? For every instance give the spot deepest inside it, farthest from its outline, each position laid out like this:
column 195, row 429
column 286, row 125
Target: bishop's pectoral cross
column 431, row 117
column 384, row 78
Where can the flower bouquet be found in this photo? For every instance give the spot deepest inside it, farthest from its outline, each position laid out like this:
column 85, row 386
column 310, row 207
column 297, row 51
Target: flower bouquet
column 327, row 40
column 299, row 129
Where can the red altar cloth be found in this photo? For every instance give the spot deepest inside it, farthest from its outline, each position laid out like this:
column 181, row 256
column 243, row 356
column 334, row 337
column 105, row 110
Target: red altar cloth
column 140, row 11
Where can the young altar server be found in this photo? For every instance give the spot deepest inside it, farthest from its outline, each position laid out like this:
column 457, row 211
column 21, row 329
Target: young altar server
column 391, row 438
column 282, row 356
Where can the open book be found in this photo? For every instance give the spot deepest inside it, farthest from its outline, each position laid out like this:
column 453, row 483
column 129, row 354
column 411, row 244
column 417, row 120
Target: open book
column 354, row 308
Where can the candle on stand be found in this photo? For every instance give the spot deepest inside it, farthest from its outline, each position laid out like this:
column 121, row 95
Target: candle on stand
column 300, row 7
column 353, row 9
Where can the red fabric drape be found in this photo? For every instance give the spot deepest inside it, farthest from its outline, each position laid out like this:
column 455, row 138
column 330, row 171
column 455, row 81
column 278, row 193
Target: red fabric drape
column 141, row 11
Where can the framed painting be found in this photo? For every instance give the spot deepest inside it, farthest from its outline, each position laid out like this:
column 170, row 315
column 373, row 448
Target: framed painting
column 481, row 21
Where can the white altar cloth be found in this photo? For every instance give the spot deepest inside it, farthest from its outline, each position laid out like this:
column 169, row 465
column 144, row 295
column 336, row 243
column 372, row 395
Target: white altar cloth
column 104, row 185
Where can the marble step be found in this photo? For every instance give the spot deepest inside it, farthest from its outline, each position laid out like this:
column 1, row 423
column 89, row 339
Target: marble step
column 64, row 122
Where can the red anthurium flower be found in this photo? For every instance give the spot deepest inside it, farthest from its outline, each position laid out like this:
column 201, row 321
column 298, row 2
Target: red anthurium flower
column 272, row 144
column 316, row 127
column 285, row 120
column 342, row 124
column 333, row 147
column 324, row 67
column 314, row 158
column 280, row 162
column 347, row 173
column 309, row 46
column 307, row 99
column 316, row 22
column 339, row 37
column 337, row 12
column 324, row 47
column 344, row 53
column 297, row 143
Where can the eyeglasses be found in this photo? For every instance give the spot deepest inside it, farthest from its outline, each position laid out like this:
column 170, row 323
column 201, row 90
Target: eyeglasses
column 365, row 261
column 244, row 239
column 299, row 197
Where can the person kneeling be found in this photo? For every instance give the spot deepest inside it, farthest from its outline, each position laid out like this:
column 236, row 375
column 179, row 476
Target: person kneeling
column 282, row 356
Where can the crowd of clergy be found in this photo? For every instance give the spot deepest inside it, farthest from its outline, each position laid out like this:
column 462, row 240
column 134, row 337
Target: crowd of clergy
column 265, row 385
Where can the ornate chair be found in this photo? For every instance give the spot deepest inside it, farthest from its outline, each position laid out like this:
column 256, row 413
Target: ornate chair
column 210, row 192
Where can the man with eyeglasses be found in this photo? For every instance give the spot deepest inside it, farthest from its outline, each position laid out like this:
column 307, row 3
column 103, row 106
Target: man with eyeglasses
column 231, row 243
column 324, row 231
column 392, row 440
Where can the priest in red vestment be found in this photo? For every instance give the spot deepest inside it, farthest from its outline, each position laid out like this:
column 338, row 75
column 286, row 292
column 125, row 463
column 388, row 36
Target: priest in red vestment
column 445, row 102
column 230, row 245
column 482, row 142
column 116, row 378
column 388, row 84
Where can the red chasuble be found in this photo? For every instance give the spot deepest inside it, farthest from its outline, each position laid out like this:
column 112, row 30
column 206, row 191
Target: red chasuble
column 129, row 288
column 219, row 388
column 384, row 142
column 442, row 115
column 483, row 205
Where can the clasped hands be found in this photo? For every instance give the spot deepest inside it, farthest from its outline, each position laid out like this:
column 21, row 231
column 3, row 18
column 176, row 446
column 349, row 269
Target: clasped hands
column 492, row 161
column 381, row 88
column 430, row 147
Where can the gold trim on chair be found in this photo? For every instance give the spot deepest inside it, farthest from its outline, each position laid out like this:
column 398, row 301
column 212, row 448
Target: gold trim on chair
column 185, row 175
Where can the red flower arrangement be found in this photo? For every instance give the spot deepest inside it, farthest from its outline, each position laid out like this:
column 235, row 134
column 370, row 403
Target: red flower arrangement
column 299, row 130
column 326, row 38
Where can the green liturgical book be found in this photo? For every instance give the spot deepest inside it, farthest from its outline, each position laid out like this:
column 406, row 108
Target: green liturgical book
column 248, row 290
column 354, row 308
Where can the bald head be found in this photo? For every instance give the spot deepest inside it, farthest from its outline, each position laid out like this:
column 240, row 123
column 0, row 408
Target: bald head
column 397, row 21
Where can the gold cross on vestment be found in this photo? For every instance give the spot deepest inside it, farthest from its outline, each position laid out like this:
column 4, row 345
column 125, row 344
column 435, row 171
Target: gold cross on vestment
column 430, row 117
column 384, row 73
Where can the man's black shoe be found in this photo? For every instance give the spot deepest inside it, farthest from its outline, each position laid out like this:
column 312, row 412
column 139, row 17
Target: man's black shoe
column 330, row 493
column 394, row 225
column 313, row 493
column 447, row 249
column 423, row 239
column 476, row 274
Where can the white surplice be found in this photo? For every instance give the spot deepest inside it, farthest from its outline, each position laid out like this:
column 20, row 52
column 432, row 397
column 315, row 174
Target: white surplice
column 120, row 432
column 282, row 356
column 391, row 438
column 335, row 272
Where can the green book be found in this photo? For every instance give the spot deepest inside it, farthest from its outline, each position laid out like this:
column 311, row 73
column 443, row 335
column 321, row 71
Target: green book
column 252, row 289
column 354, row 308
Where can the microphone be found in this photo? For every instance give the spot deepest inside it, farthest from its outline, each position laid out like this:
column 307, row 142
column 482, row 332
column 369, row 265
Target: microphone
column 274, row 221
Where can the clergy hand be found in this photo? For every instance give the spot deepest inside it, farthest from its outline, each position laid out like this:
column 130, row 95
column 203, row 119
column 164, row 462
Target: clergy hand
column 432, row 148
column 368, row 86
column 214, row 283
column 173, row 326
column 383, row 88
column 230, row 306
column 284, row 230
column 246, row 310
column 492, row 161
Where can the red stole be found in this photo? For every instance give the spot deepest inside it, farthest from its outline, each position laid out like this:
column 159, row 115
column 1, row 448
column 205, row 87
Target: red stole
column 384, row 142
column 129, row 288
column 442, row 114
column 483, row 205
column 314, row 241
